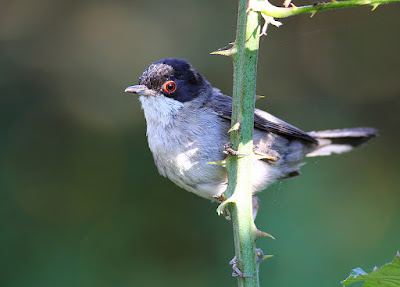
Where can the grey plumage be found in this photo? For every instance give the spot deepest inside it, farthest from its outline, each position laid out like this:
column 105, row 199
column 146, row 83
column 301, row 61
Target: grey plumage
column 187, row 128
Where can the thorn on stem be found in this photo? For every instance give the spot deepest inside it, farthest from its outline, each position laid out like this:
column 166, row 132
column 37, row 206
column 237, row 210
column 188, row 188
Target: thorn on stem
column 374, row 6
column 266, row 257
column 220, row 163
column 234, row 128
column 260, row 233
column 228, row 52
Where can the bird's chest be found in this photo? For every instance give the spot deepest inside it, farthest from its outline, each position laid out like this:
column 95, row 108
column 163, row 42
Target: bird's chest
column 174, row 152
column 182, row 156
column 171, row 143
column 177, row 158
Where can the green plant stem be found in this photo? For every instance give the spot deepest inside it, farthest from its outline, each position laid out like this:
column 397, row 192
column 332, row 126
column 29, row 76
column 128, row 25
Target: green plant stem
column 279, row 12
column 245, row 54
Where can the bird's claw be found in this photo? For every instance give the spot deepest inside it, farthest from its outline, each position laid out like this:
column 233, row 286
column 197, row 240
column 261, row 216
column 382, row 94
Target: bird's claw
column 260, row 255
column 236, row 271
column 223, row 206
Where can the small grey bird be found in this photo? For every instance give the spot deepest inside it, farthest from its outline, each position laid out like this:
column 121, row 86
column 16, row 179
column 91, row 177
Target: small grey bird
column 187, row 123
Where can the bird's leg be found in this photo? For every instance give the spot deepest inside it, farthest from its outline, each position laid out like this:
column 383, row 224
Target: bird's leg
column 271, row 154
column 227, row 214
column 256, row 205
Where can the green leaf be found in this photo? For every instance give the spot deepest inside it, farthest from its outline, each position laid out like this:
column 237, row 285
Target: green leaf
column 387, row 276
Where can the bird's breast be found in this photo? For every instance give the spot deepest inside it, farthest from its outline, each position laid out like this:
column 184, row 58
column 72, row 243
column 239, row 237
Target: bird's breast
column 182, row 156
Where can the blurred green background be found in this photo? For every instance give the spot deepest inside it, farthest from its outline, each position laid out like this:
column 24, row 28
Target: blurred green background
column 81, row 202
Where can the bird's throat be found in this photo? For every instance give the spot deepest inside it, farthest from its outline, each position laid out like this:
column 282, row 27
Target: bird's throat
column 160, row 110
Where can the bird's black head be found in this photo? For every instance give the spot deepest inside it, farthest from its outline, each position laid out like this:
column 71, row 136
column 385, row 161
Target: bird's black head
column 175, row 79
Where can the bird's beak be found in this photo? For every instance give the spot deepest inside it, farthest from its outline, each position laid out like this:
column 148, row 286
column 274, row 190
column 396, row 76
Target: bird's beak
column 139, row 89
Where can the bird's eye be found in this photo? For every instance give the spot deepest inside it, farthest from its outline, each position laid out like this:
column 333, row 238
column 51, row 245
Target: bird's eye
column 169, row 87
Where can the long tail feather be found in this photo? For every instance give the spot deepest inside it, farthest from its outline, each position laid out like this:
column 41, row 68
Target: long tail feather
column 342, row 140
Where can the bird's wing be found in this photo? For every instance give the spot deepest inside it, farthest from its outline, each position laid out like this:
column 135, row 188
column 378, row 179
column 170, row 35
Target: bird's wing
column 222, row 105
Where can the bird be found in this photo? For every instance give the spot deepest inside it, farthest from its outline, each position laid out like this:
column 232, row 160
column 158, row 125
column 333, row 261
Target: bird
column 187, row 128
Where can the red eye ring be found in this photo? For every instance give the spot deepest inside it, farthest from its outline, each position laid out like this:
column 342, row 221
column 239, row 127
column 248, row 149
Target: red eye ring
column 169, row 87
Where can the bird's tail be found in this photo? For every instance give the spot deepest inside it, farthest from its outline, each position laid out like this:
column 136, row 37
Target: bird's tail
column 343, row 140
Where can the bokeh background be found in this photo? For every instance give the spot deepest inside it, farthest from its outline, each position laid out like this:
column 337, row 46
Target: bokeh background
column 81, row 202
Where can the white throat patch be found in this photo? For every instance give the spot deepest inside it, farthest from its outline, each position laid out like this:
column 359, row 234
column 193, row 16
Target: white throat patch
column 159, row 110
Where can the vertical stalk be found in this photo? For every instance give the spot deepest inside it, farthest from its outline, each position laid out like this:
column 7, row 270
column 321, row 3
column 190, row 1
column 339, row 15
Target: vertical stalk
column 240, row 168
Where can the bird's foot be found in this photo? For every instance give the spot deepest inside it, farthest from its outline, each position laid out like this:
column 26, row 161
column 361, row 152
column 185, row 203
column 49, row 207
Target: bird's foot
column 260, row 255
column 236, row 271
column 225, row 211
column 230, row 151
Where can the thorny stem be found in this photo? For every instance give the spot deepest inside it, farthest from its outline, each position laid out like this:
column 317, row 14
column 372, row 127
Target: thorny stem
column 279, row 12
column 245, row 55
